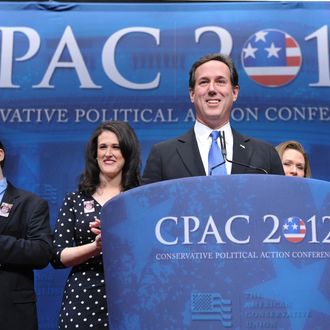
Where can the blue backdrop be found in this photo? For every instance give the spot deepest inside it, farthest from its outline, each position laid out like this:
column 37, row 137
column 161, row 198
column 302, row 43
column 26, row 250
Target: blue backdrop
column 66, row 67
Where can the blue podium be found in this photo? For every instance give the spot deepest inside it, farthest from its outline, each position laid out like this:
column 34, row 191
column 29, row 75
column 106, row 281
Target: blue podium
column 227, row 252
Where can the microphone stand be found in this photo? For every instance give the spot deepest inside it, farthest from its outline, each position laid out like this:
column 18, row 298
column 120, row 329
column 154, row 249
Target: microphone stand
column 224, row 154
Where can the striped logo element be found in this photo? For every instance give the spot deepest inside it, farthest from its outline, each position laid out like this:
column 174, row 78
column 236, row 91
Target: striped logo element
column 271, row 58
column 294, row 229
column 211, row 307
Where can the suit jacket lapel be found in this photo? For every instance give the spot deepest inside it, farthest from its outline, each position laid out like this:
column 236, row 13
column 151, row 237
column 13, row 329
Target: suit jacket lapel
column 11, row 194
column 189, row 153
column 241, row 152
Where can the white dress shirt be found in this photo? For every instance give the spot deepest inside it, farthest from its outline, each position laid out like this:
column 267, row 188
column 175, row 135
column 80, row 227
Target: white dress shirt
column 204, row 140
column 3, row 187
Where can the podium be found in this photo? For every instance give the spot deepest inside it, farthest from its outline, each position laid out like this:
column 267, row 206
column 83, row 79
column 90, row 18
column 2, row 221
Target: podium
column 226, row 252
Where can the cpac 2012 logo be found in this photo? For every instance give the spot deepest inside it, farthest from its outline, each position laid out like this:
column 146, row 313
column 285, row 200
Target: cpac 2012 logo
column 238, row 229
column 270, row 57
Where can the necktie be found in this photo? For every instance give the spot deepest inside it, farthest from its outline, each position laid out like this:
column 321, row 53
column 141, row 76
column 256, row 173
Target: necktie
column 216, row 162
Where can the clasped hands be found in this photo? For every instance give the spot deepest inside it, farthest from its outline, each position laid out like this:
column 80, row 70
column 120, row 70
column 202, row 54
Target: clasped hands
column 95, row 227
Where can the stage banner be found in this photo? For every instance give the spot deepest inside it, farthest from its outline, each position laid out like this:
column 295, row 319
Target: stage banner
column 66, row 67
column 226, row 252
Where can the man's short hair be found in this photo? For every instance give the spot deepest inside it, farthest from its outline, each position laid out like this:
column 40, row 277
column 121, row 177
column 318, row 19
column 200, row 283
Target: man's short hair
column 214, row 57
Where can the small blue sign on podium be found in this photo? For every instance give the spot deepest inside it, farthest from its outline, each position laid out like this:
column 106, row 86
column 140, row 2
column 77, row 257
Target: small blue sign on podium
column 226, row 252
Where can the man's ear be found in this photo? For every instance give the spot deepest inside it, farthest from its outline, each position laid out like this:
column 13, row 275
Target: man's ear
column 2, row 155
column 192, row 94
column 235, row 92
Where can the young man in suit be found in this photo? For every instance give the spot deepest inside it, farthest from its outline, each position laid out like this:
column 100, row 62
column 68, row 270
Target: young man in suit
column 25, row 245
column 213, row 88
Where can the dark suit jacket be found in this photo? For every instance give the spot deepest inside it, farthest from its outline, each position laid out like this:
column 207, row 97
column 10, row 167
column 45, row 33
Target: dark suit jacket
column 180, row 157
column 25, row 244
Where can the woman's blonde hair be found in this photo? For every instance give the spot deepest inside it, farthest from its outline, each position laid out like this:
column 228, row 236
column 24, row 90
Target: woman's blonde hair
column 296, row 146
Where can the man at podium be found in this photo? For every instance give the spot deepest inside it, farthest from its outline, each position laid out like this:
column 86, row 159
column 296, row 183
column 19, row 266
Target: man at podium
column 212, row 146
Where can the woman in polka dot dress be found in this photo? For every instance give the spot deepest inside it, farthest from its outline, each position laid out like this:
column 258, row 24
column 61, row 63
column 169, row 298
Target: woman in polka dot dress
column 112, row 165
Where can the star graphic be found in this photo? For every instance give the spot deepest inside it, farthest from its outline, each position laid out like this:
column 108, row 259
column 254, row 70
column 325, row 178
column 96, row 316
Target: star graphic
column 320, row 193
column 249, row 51
column 134, row 227
column 272, row 50
column 129, row 229
column 298, row 288
column 261, row 36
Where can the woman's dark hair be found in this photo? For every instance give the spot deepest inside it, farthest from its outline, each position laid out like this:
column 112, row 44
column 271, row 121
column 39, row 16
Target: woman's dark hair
column 130, row 149
column 214, row 57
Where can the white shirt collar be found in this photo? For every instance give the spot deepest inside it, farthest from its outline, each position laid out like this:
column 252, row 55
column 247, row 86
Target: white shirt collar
column 202, row 133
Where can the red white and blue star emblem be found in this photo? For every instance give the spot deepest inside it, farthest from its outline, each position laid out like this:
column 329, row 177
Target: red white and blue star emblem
column 294, row 229
column 271, row 58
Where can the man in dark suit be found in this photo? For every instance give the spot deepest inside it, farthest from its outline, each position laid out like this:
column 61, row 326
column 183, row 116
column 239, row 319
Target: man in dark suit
column 25, row 245
column 213, row 88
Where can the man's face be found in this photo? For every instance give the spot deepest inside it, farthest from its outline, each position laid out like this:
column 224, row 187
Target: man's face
column 213, row 94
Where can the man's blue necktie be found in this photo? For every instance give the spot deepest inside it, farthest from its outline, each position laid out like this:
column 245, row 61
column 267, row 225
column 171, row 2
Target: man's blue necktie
column 217, row 164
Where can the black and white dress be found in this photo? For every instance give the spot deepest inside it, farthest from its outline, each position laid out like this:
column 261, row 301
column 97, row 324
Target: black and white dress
column 84, row 303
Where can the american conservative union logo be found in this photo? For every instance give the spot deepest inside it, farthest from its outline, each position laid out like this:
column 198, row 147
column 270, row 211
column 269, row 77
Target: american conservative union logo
column 271, row 58
column 211, row 306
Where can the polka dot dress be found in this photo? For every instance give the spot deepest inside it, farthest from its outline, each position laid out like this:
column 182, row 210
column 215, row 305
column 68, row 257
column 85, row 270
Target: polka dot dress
column 84, row 300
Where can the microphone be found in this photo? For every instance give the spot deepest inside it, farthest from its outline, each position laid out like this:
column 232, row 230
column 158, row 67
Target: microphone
column 224, row 154
column 216, row 166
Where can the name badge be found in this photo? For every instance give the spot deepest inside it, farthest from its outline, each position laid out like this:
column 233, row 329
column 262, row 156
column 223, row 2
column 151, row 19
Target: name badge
column 5, row 209
column 89, row 206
